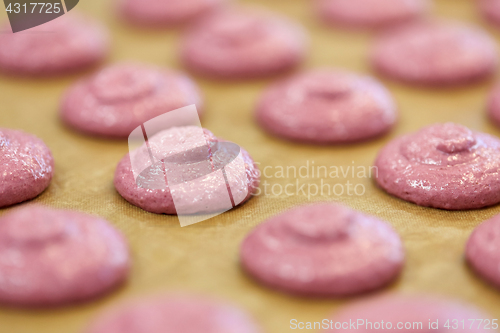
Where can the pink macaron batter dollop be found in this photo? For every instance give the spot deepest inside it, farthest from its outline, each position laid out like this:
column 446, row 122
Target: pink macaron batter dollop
column 323, row 250
column 490, row 9
column 159, row 13
column 26, row 166
column 443, row 166
column 327, row 106
column 204, row 193
column 65, row 44
column 483, row 250
column 435, row 53
column 242, row 43
column 53, row 257
column 174, row 314
column 118, row 98
column 389, row 313
column 370, row 13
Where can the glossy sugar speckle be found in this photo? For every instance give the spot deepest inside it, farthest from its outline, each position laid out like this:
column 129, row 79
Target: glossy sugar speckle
column 444, row 166
column 26, row 166
column 210, row 190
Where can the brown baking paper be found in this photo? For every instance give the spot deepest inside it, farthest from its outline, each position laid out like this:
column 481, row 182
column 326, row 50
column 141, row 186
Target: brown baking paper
column 203, row 258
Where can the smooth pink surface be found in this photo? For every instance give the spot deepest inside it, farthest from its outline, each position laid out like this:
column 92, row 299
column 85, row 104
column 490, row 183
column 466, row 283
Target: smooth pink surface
column 26, row 166
column 490, row 10
column 240, row 43
column 118, row 98
column 444, row 166
column 327, row 106
column 54, row 257
column 483, row 250
column 165, row 12
column 494, row 105
column 174, row 314
column 323, row 250
column 370, row 13
column 208, row 188
column 397, row 310
column 66, row 44
column 435, row 53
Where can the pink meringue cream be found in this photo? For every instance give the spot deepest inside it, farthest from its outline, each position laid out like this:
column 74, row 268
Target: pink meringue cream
column 53, row 257
column 117, row 99
column 160, row 13
column 370, row 13
column 323, row 250
column 490, row 9
column 483, row 250
column 238, row 43
column 327, row 106
column 203, row 192
column 26, row 166
column 66, row 44
column 435, row 53
column 443, row 166
column 174, row 314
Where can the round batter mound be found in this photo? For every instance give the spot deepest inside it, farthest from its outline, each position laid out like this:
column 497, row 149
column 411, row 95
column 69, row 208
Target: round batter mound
column 174, row 314
column 483, row 250
column 204, row 192
column 370, row 13
column 66, row 44
column 26, row 166
column 60, row 257
column 490, row 9
column 435, row 53
column 165, row 12
column 494, row 105
column 117, row 99
column 443, row 166
column 323, row 250
column 327, row 106
column 239, row 43
column 407, row 314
